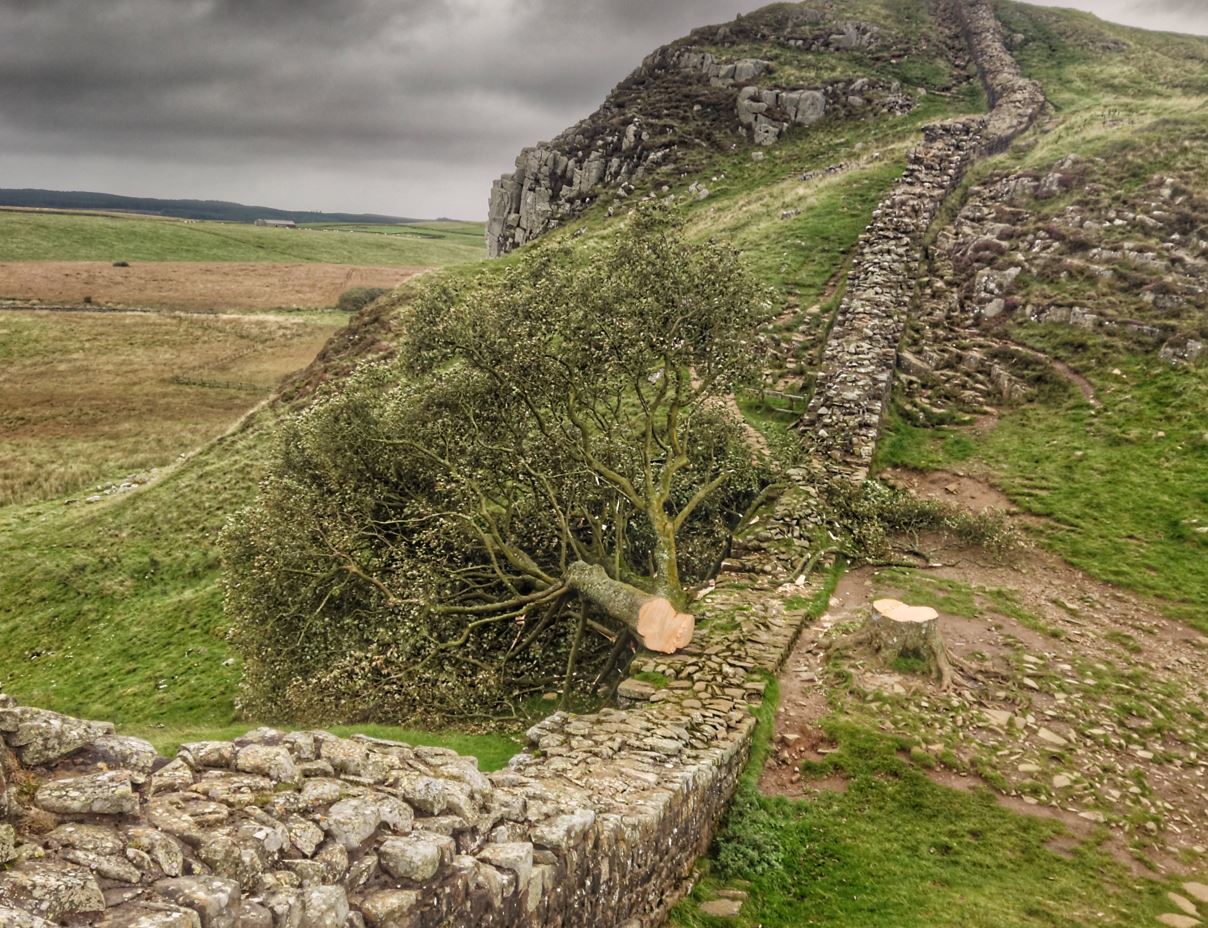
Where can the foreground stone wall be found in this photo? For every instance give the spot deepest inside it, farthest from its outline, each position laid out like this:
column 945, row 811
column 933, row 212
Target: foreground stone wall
column 596, row 824
column 853, row 386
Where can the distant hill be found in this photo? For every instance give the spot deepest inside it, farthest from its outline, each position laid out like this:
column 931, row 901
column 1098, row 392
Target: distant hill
column 219, row 210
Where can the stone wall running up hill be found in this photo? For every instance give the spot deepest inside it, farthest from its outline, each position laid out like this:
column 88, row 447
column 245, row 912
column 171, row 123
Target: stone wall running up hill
column 853, row 385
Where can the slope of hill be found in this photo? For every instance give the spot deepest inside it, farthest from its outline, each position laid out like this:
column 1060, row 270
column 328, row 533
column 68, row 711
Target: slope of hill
column 1068, row 300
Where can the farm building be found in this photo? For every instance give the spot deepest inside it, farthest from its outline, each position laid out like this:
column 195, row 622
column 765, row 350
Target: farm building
column 277, row 223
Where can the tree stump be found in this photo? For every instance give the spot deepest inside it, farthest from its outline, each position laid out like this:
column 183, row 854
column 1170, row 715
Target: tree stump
column 894, row 629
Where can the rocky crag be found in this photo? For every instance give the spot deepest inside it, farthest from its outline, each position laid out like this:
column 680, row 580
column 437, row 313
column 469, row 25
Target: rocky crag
column 685, row 98
column 1138, row 257
column 853, row 385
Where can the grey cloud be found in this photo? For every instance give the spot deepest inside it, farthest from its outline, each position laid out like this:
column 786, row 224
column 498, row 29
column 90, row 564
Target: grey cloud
column 1189, row 16
column 404, row 106
column 292, row 86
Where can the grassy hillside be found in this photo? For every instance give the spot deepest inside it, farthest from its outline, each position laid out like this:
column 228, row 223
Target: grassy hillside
column 892, row 849
column 114, row 609
column 77, row 237
column 1122, row 486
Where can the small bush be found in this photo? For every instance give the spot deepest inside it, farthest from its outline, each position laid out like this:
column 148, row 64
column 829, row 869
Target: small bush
column 358, row 298
column 868, row 517
column 121, row 263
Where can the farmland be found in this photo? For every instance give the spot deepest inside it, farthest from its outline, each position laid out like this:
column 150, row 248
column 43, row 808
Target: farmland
column 93, row 397
column 126, row 341
column 190, row 285
column 50, row 236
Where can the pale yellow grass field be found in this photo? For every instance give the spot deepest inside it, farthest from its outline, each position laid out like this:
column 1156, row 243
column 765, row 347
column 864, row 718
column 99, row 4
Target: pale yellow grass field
column 87, row 398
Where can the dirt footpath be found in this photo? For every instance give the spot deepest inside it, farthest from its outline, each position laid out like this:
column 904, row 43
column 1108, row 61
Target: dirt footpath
column 189, row 285
column 1075, row 700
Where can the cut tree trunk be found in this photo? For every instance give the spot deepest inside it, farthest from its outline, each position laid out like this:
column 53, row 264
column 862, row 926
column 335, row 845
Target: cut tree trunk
column 894, row 629
column 658, row 625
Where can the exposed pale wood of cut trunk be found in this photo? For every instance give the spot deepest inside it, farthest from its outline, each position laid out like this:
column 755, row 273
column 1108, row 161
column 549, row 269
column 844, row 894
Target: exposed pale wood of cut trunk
column 658, row 625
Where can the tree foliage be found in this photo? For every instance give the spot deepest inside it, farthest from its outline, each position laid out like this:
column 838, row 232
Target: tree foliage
column 409, row 553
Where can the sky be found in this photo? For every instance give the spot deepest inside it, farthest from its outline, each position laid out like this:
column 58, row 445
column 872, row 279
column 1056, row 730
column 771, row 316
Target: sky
column 403, row 107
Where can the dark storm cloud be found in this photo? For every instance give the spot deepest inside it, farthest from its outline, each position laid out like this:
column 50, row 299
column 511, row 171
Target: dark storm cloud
column 281, row 85
column 407, row 106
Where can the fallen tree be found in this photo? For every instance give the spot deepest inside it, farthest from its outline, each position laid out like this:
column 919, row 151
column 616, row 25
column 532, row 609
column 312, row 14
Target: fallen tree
column 523, row 491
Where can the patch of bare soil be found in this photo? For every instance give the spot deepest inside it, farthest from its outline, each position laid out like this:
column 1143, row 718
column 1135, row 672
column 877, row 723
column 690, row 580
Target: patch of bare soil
column 958, row 489
column 1076, row 700
column 188, row 285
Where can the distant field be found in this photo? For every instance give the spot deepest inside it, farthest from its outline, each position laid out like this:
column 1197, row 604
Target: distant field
column 438, row 229
column 26, row 236
column 92, row 397
column 191, row 285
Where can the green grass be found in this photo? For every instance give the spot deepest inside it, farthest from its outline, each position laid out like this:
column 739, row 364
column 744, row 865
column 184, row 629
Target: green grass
column 658, row 680
column 896, row 850
column 493, row 751
column 114, row 610
column 74, row 237
column 447, row 230
column 1123, row 490
column 802, row 254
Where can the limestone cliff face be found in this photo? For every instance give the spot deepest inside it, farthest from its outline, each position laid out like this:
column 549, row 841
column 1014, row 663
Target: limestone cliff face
column 687, row 98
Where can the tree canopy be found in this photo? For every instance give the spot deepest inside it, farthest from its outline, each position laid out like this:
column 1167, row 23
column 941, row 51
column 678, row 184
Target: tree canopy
column 457, row 529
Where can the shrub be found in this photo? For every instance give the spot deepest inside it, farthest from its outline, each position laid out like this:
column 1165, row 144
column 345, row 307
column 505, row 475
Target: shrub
column 356, row 299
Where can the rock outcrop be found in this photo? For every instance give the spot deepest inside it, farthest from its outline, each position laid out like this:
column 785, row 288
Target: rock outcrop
column 1125, row 265
column 682, row 99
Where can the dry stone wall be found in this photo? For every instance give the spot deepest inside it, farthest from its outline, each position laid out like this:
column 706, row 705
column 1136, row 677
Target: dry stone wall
column 596, row 824
column 853, row 385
